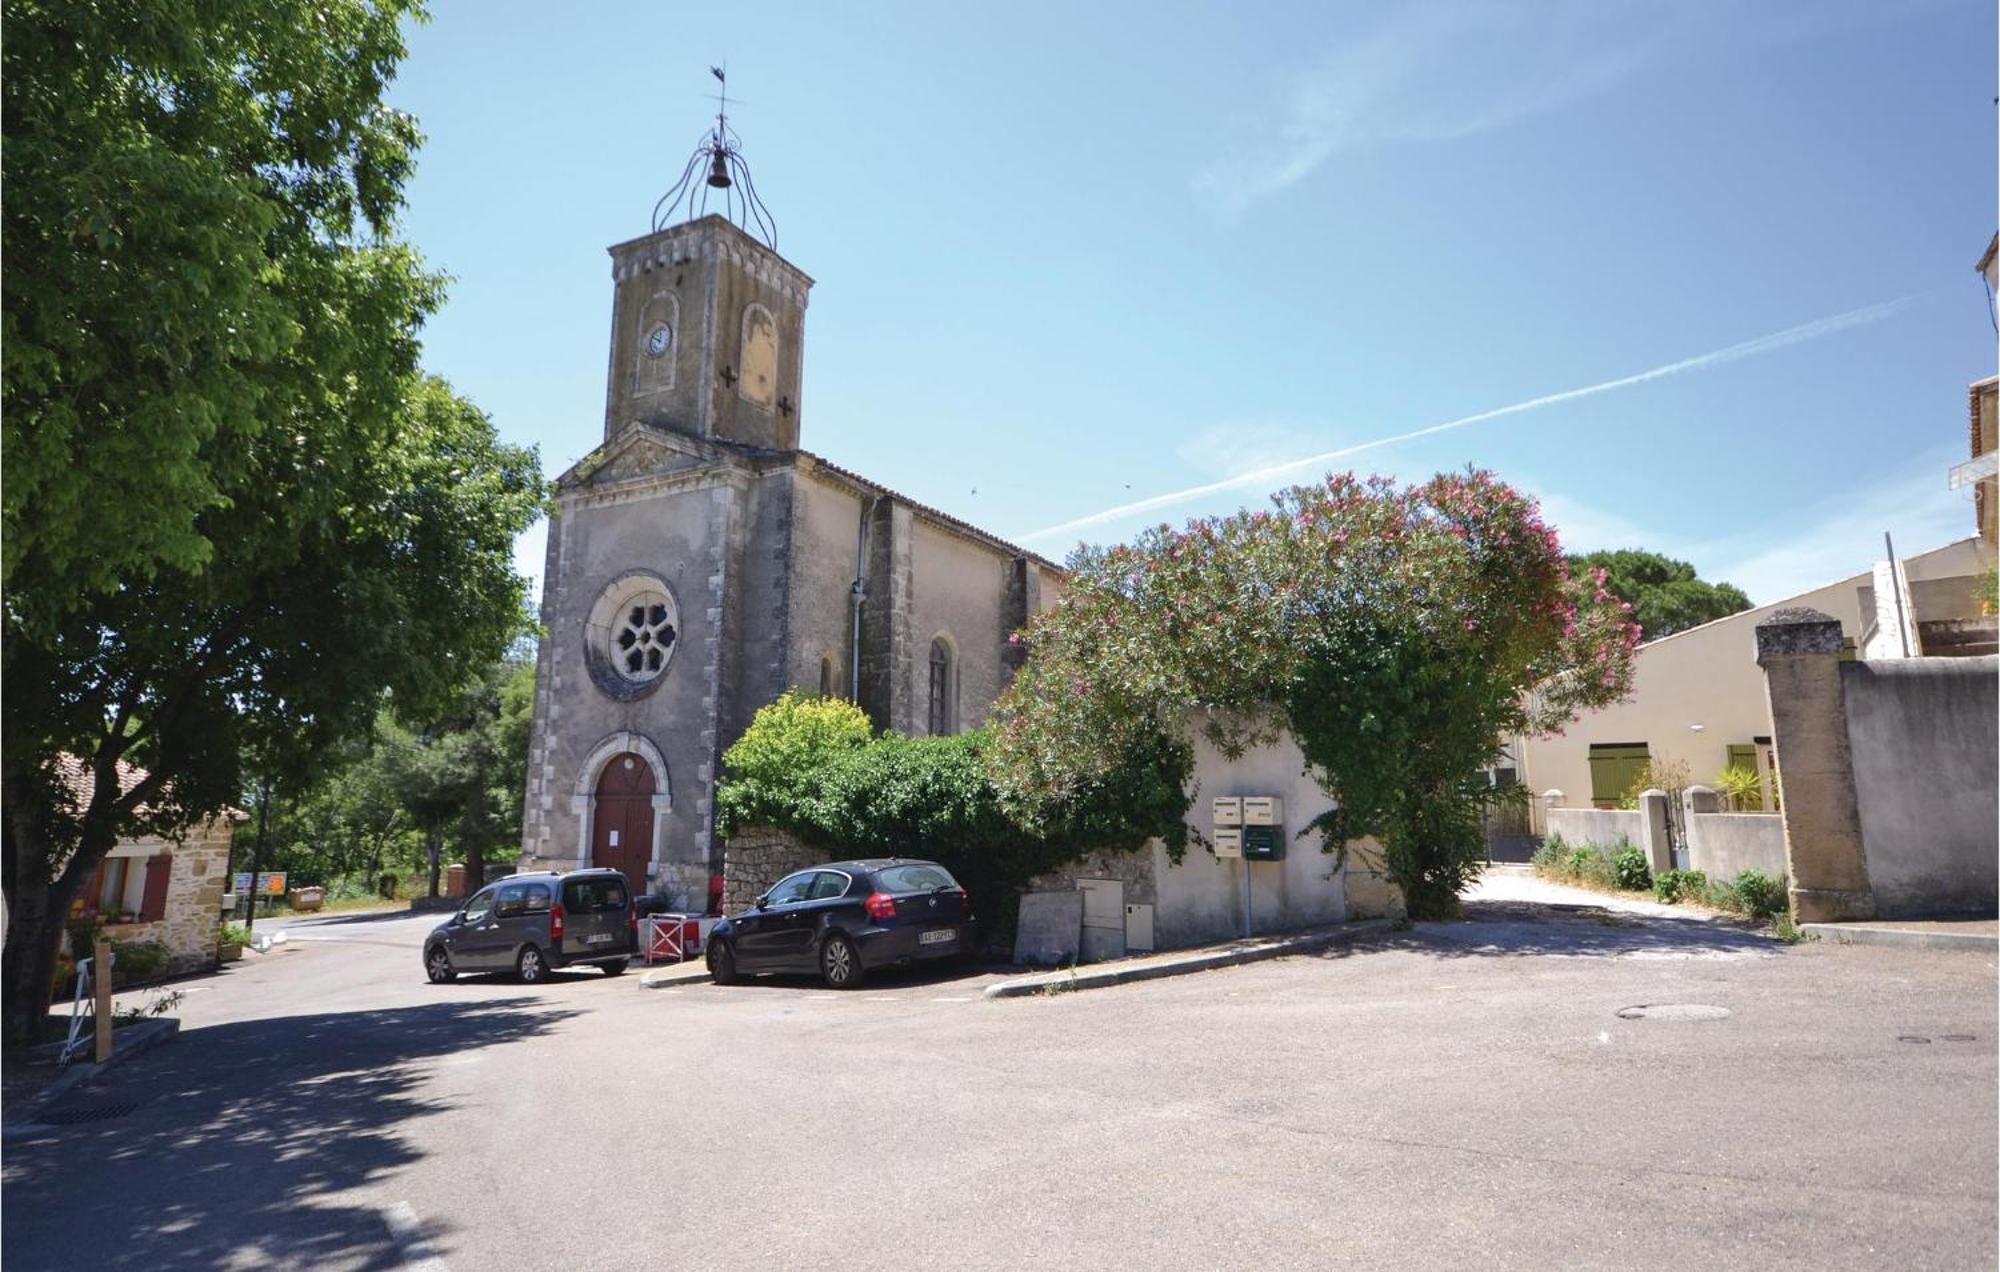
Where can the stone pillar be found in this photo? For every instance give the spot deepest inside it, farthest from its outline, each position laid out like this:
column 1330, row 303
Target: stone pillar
column 1799, row 650
column 1657, row 838
column 1697, row 799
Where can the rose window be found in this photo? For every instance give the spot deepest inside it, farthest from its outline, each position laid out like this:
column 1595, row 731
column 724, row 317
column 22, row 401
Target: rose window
column 643, row 637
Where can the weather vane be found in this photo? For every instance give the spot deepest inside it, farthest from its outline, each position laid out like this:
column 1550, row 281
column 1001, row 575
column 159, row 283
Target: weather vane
column 721, row 151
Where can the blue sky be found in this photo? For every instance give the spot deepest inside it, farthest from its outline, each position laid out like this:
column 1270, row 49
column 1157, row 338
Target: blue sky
column 1073, row 258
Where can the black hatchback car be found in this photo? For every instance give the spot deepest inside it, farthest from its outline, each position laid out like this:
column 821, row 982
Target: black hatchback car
column 845, row 919
column 530, row 923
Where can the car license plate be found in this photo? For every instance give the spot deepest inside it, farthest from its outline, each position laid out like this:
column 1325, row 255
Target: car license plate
column 937, row 936
column 597, row 938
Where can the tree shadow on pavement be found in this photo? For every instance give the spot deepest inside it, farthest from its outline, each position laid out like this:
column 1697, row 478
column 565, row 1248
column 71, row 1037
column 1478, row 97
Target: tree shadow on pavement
column 244, row 1140
column 1512, row 928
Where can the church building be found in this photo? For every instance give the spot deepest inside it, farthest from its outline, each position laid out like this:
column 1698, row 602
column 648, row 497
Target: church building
column 700, row 563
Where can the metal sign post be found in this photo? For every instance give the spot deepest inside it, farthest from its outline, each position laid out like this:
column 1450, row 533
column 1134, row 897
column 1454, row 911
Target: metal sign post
column 1246, row 896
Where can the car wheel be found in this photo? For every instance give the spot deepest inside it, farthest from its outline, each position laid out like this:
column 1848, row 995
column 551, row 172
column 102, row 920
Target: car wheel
column 437, row 965
column 721, row 963
column 614, row 967
column 530, row 967
column 839, row 963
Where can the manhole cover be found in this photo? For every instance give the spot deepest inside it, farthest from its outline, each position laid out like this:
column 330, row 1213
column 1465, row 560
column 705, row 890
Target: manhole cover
column 102, row 1112
column 1673, row 1011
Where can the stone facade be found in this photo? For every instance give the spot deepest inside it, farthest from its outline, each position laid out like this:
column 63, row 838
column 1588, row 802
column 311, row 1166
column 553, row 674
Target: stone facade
column 199, row 875
column 756, row 858
column 744, row 555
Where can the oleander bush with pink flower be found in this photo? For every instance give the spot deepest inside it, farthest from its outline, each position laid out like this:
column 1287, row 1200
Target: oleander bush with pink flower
column 1398, row 633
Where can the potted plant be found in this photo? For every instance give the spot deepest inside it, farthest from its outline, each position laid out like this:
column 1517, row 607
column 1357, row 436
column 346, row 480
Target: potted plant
column 234, row 936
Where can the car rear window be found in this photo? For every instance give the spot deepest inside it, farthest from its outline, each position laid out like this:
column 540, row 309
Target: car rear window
column 914, row 878
column 583, row 896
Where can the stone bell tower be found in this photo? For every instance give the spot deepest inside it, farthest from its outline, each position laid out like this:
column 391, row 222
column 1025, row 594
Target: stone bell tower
column 708, row 323
column 707, row 335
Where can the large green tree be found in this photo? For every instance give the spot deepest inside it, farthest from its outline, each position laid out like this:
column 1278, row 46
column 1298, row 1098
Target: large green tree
column 236, row 513
column 1666, row 595
column 1394, row 632
column 383, row 799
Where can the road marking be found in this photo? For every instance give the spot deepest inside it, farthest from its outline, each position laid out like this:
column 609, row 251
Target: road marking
column 408, row 1234
column 950, row 998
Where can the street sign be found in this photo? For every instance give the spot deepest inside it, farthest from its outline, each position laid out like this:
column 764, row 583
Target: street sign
column 270, row 883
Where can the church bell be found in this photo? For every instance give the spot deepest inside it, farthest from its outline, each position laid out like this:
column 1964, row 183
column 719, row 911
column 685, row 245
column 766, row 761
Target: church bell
column 718, row 171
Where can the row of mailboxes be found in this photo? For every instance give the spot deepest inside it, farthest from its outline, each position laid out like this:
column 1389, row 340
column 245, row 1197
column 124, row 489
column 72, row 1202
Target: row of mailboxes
column 1250, row 827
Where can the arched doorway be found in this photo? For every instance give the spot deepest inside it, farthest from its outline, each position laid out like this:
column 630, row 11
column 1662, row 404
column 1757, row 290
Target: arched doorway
column 621, row 822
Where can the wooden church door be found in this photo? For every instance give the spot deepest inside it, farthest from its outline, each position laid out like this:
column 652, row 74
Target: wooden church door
column 621, row 825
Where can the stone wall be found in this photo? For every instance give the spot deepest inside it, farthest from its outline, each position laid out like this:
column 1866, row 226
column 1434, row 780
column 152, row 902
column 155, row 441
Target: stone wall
column 757, row 857
column 1925, row 742
column 191, row 926
column 1133, row 869
column 1599, row 827
column 1890, row 808
column 1723, row 845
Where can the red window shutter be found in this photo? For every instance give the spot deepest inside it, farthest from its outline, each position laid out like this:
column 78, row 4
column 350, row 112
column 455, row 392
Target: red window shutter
column 86, row 902
column 153, row 907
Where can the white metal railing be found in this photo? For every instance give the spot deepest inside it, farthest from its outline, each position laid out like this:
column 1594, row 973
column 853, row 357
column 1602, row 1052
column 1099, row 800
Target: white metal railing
column 1978, row 468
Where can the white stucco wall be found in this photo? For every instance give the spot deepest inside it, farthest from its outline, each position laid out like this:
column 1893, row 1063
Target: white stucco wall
column 1707, row 676
column 1201, row 899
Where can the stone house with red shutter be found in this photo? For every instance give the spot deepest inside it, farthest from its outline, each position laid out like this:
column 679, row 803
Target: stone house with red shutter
column 169, row 892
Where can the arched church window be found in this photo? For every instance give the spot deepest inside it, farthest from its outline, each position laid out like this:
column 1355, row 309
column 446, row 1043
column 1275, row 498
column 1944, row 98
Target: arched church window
column 943, row 716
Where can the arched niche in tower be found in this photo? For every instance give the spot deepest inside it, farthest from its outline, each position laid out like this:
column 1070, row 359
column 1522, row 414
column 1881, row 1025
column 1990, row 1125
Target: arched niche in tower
column 758, row 384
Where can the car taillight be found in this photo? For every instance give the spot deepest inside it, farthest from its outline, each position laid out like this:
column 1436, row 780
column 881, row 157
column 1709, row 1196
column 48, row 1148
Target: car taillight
column 556, row 922
column 964, row 903
column 632, row 919
column 881, row 906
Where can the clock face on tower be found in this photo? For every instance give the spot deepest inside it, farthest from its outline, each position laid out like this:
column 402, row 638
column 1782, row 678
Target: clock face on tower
column 659, row 340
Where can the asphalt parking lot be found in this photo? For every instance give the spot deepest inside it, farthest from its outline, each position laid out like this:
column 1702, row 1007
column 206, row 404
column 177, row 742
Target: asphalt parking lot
column 1463, row 1094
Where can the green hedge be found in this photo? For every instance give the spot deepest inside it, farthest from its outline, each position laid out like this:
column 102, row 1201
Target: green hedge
column 813, row 767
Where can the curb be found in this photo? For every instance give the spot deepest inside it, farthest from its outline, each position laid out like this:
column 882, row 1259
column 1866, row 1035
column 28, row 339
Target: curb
column 1106, row 977
column 126, row 1043
column 1902, row 938
column 673, row 977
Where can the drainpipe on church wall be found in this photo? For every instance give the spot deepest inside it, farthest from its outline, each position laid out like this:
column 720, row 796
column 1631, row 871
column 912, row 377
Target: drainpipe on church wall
column 859, row 593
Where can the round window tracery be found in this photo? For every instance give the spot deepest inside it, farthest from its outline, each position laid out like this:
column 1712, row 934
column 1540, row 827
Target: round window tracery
column 631, row 635
column 644, row 637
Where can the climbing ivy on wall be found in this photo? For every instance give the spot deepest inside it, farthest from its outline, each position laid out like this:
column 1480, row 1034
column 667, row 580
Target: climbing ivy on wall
column 1398, row 633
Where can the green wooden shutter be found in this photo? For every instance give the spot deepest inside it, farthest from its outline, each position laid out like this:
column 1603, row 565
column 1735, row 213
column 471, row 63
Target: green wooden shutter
column 1614, row 766
column 1744, row 755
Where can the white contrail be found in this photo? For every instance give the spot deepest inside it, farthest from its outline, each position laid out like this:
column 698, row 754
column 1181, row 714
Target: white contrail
column 1749, row 348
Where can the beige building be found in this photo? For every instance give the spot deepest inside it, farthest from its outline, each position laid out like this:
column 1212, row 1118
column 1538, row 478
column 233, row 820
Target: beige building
column 1698, row 696
column 700, row 563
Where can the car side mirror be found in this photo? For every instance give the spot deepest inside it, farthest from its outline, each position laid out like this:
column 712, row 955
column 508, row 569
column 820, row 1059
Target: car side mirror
column 764, row 903
column 458, row 919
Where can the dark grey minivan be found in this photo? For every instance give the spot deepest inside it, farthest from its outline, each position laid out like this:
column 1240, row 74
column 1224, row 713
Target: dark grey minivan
column 531, row 923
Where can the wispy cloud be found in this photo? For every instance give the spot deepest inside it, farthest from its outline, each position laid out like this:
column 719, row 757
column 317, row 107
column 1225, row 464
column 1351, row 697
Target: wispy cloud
column 1433, row 72
column 1270, row 473
column 1443, row 70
